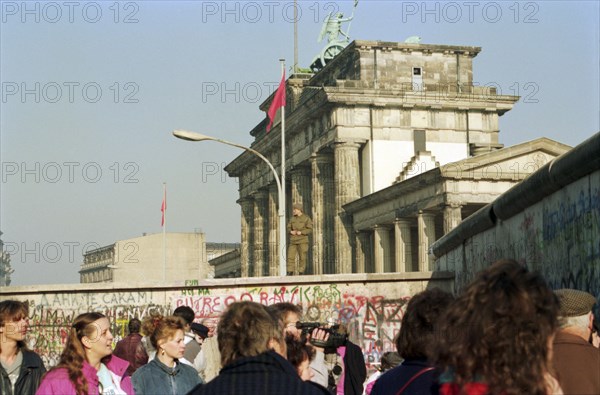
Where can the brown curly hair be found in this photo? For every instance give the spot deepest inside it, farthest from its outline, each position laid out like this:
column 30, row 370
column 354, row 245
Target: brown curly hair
column 246, row 329
column 499, row 331
column 150, row 322
column 73, row 355
column 419, row 324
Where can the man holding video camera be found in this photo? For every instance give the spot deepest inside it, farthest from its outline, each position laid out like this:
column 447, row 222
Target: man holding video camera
column 290, row 314
column 339, row 364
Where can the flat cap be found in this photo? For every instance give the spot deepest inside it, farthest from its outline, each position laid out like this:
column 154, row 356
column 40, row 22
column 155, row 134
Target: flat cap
column 574, row 303
column 297, row 206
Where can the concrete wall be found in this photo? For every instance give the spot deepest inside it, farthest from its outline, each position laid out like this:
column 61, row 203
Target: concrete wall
column 550, row 222
column 372, row 305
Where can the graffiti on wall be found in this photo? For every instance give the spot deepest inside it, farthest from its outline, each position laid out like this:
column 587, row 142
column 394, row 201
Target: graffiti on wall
column 558, row 236
column 51, row 315
column 372, row 312
column 373, row 320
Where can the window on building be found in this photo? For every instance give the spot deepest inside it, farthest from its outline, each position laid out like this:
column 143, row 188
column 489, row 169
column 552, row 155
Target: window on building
column 417, row 79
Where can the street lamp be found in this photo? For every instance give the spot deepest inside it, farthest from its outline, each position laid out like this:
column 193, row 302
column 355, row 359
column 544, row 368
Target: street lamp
column 193, row 136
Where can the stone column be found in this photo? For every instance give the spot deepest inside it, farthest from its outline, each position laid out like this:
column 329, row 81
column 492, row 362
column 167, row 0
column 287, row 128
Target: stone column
column 403, row 253
column 260, row 211
column 382, row 249
column 322, row 212
column 347, row 184
column 301, row 183
column 362, row 247
column 317, row 213
column 273, row 240
column 247, row 244
column 426, row 225
column 379, row 237
column 452, row 216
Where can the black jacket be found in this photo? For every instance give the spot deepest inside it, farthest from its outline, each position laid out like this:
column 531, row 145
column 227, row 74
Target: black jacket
column 30, row 376
column 267, row 373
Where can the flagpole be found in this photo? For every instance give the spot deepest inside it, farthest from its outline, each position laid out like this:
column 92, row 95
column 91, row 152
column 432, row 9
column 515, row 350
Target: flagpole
column 295, row 68
column 282, row 223
column 164, row 232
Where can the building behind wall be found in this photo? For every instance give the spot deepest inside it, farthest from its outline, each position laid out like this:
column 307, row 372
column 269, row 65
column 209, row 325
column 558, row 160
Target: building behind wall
column 378, row 113
column 141, row 260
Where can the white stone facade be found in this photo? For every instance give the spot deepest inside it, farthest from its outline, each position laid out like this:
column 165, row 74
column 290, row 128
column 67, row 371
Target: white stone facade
column 141, row 259
column 356, row 127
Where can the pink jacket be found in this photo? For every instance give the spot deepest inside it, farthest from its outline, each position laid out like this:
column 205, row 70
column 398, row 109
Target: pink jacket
column 56, row 381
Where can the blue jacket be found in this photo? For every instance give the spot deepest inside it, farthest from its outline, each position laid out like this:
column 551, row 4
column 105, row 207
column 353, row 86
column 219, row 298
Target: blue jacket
column 394, row 379
column 157, row 378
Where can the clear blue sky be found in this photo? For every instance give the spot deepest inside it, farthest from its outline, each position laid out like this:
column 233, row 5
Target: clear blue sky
column 84, row 166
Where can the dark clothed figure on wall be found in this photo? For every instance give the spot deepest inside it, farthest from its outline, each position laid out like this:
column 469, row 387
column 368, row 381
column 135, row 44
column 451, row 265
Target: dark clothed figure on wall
column 299, row 228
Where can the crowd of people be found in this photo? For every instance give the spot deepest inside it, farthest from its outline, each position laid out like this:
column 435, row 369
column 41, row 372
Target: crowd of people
column 506, row 333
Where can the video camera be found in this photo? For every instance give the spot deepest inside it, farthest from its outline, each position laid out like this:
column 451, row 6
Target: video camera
column 335, row 340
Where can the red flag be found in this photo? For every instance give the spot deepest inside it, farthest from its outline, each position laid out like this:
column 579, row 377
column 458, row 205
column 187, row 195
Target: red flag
column 163, row 208
column 278, row 101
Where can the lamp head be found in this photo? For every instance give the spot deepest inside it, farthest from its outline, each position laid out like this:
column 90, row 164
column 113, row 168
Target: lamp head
column 190, row 136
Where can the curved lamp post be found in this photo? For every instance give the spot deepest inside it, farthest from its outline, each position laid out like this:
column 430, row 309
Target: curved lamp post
column 193, row 136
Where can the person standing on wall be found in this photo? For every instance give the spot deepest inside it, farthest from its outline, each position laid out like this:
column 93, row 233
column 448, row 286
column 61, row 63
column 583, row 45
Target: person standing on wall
column 299, row 228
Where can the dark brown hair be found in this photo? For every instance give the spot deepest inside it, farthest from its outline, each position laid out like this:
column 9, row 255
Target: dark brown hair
column 298, row 351
column 13, row 311
column 417, row 333
column 246, row 330
column 134, row 325
column 498, row 331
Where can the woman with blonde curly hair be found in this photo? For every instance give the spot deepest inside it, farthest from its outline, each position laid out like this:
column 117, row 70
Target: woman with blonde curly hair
column 496, row 337
column 165, row 374
column 87, row 366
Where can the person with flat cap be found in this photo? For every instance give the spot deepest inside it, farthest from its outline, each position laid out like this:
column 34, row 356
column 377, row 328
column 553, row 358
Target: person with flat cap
column 576, row 360
column 299, row 227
